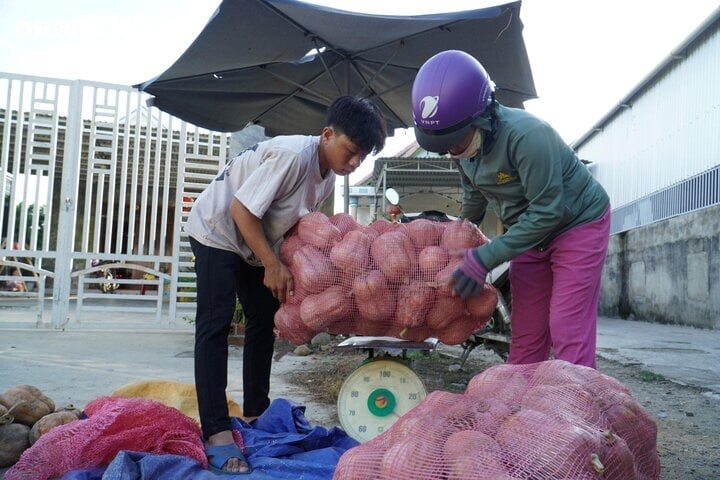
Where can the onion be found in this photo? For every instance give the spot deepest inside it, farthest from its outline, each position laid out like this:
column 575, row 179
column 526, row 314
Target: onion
column 489, row 414
column 394, row 254
column 455, row 333
column 618, row 460
column 315, row 228
column 483, row 305
column 372, row 298
column 289, row 326
column 424, row 233
column 444, row 312
column 431, row 260
column 503, row 382
column 359, row 463
column 288, row 248
column 312, row 269
column 629, row 420
column 381, row 226
column 352, row 253
column 414, row 451
column 344, row 222
column 570, row 402
column 320, row 311
column 413, row 302
column 561, row 372
column 540, row 446
column 471, row 454
column 444, row 278
column 462, row 234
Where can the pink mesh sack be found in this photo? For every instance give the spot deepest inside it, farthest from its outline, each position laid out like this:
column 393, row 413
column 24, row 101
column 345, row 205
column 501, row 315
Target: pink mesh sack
column 544, row 421
column 113, row 424
column 385, row 279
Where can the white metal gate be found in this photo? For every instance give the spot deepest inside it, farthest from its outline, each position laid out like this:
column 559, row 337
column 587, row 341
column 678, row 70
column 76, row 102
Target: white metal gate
column 95, row 189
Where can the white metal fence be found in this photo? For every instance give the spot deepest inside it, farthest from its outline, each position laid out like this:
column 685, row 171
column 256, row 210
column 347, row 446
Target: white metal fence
column 694, row 193
column 94, row 181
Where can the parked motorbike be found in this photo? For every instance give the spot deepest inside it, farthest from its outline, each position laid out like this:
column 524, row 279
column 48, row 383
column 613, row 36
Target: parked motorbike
column 109, row 276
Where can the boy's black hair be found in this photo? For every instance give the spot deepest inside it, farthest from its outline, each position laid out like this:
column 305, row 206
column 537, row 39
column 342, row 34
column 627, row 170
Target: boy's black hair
column 360, row 120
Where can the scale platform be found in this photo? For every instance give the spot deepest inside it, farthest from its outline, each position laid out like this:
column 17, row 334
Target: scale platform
column 382, row 388
column 386, row 342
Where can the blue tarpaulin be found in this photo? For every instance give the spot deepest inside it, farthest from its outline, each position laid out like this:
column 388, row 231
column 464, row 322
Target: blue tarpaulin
column 280, row 444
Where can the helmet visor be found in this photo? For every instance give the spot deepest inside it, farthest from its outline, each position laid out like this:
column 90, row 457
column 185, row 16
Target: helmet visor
column 441, row 141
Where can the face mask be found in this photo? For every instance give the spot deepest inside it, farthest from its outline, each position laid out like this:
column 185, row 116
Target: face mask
column 472, row 148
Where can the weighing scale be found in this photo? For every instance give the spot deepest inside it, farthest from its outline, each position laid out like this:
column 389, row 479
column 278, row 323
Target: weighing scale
column 382, row 388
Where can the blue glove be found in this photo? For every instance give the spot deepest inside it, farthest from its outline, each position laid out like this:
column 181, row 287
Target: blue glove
column 469, row 278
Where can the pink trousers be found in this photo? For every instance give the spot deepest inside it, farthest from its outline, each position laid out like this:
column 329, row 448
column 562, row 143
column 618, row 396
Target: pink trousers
column 555, row 295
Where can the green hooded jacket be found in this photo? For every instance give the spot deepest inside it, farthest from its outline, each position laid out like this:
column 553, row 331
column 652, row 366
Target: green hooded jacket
column 531, row 179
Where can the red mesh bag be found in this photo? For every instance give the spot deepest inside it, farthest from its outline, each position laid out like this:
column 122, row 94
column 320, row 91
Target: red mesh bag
column 383, row 279
column 544, row 421
column 113, row 424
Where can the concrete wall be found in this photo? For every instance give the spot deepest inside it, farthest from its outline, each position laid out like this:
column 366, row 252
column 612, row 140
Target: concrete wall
column 667, row 272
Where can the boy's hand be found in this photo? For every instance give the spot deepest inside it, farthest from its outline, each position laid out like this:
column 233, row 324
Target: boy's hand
column 279, row 280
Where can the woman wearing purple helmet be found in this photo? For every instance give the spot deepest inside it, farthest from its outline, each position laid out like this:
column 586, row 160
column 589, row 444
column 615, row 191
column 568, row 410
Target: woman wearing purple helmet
column 556, row 215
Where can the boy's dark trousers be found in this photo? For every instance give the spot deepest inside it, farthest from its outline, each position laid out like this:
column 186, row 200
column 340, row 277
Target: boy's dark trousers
column 221, row 275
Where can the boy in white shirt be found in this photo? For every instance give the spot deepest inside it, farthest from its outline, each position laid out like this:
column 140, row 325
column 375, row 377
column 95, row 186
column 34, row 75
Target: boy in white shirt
column 236, row 226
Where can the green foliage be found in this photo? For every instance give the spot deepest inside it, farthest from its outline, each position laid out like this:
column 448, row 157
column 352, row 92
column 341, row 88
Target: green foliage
column 186, row 289
column 647, row 376
column 239, row 316
column 28, row 223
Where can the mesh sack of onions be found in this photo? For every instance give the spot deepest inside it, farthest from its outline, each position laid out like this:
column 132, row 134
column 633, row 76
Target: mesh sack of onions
column 383, row 279
column 544, row 421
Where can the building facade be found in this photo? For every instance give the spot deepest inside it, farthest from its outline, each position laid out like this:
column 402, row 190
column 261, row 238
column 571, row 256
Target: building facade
column 658, row 155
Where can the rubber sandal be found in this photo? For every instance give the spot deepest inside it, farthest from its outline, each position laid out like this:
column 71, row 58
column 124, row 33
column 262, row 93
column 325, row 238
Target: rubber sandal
column 218, row 456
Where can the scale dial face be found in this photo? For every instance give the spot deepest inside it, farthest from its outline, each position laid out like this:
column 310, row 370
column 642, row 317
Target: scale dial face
column 375, row 395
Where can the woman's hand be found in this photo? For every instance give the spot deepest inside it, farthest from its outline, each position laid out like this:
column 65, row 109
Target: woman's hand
column 469, row 278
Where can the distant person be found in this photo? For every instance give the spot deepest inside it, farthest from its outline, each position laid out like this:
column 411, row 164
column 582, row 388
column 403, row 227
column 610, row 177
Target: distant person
column 236, row 226
column 15, row 285
column 556, row 215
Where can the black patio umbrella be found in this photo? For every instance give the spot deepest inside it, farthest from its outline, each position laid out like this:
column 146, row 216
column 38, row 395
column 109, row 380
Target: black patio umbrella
column 280, row 63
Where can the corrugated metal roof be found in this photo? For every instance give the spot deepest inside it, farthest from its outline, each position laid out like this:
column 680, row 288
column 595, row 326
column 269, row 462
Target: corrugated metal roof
column 416, row 173
column 710, row 25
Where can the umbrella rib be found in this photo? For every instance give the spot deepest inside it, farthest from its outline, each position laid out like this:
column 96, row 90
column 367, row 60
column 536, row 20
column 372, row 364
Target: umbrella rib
column 378, row 96
column 315, row 37
column 401, row 41
column 327, row 69
column 300, row 86
column 297, row 25
column 446, row 26
column 368, row 83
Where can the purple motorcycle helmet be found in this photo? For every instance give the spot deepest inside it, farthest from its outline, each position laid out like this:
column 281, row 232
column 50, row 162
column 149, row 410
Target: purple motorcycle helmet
column 451, row 89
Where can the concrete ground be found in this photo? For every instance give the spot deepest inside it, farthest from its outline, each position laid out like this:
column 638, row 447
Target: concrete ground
column 84, row 361
column 77, row 366
column 89, row 359
column 685, row 355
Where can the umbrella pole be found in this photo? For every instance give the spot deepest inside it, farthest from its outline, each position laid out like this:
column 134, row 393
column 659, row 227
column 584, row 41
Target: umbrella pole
column 346, row 186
